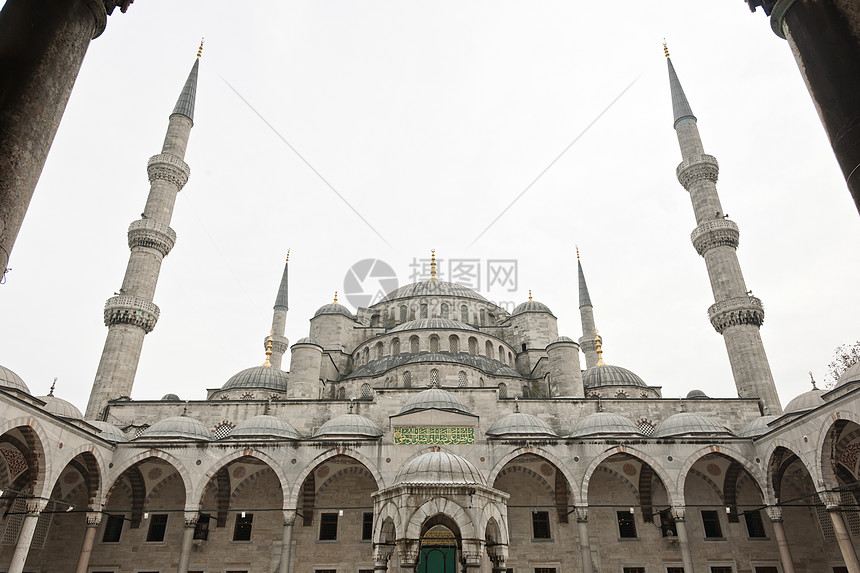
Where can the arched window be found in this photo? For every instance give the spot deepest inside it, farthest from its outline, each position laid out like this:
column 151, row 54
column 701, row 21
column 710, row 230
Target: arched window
column 503, row 390
column 434, row 377
column 424, row 310
column 444, row 310
column 387, row 382
column 378, row 350
column 464, row 313
column 454, row 343
column 621, row 394
column 483, row 315
column 434, row 343
column 501, row 354
column 488, row 349
column 366, row 355
column 473, row 345
column 510, row 359
column 481, row 382
column 395, row 346
column 403, row 313
column 407, row 379
column 461, row 378
column 374, row 320
column 366, row 392
column 341, row 393
column 223, row 429
column 413, row 345
column 526, row 391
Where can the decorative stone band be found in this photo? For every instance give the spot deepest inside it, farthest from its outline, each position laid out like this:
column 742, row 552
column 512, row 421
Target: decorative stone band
column 127, row 309
column 716, row 233
column 736, row 311
column 152, row 234
column 587, row 344
column 168, row 168
column 280, row 344
column 697, row 168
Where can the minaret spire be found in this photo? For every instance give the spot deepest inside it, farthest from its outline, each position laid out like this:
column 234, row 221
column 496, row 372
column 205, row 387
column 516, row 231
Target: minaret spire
column 130, row 314
column 586, row 316
column 735, row 314
column 279, row 343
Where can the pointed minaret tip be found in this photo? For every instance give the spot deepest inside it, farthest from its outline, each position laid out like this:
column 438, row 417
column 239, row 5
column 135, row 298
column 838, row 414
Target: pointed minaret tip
column 185, row 103
column 584, row 297
column 281, row 300
column 680, row 106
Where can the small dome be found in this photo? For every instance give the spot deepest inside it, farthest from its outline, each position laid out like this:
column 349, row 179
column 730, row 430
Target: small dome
column 604, row 424
column 264, row 427
column 433, row 323
column 307, row 340
column 108, row 431
column 606, row 375
column 439, row 467
column 520, row 424
column 9, row 379
column 806, row 401
column 850, row 375
column 351, row 425
column 259, row 377
column 696, row 394
column 564, row 339
column 170, row 398
column 531, row 306
column 61, row 408
column 757, row 427
column 434, row 398
column 433, row 288
column 334, row 308
column 177, row 427
column 686, row 424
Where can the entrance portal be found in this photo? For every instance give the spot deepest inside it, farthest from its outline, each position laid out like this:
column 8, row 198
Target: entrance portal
column 438, row 551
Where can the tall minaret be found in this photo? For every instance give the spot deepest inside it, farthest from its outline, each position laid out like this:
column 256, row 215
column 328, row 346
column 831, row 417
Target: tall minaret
column 736, row 314
column 279, row 342
column 586, row 315
column 131, row 314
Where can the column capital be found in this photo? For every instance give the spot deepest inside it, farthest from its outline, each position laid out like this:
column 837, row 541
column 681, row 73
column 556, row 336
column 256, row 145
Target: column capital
column 831, row 499
column 191, row 518
column 35, row 505
column 774, row 512
column 290, row 517
column 581, row 513
column 382, row 552
column 679, row 513
column 94, row 518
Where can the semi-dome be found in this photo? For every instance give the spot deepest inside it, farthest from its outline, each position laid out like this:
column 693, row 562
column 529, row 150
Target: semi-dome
column 434, row 398
column 334, row 308
column 607, row 375
column 108, row 431
column 433, row 288
column 806, row 401
column 440, row 467
column 604, row 424
column 264, row 427
column 531, row 306
column 266, row 377
column 696, row 395
column 520, row 424
column 60, row 407
column 181, row 427
column 9, row 379
column 757, row 427
column 688, row 424
column 434, row 324
column 170, row 398
column 850, row 375
column 350, row 425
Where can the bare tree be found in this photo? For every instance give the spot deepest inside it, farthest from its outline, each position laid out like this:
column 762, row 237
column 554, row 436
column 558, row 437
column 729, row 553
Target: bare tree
column 844, row 357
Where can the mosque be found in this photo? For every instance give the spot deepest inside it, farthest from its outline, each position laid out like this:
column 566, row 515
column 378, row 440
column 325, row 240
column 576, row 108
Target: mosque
column 431, row 432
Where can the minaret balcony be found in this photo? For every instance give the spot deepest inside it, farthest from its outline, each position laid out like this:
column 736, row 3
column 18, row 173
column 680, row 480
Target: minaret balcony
column 697, row 168
column 128, row 309
column 715, row 233
column 151, row 234
column 168, row 167
column 736, row 311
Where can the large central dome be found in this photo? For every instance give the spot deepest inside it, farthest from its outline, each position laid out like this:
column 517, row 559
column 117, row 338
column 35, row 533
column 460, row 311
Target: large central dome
column 433, row 288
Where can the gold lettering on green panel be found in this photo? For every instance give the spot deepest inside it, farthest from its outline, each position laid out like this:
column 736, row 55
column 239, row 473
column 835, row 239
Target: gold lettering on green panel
column 431, row 436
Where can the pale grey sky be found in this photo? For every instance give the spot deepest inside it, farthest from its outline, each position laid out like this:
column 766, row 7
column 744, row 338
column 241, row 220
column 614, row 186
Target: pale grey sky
column 429, row 118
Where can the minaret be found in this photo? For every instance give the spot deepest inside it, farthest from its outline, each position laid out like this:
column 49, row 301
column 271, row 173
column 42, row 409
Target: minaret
column 279, row 342
column 131, row 314
column 736, row 314
column 586, row 315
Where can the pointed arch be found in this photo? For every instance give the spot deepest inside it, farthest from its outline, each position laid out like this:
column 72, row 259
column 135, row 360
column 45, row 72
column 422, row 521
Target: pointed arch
column 726, row 452
column 826, row 477
column 224, row 461
column 38, row 443
column 388, row 512
column 491, row 514
column 557, row 462
column 292, row 501
column 661, row 473
column 775, row 465
column 94, row 465
column 111, row 480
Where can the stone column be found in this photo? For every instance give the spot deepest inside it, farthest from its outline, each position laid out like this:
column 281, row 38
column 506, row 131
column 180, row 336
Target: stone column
column 408, row 550
column 287, row 541
column 679, row 515
column 473, row 549
column 191, row 518
column 774, row 512
column 25, row 536
column 498, row 557
column 381, row 555
column 584, row 545
column 43, row 46
column 843, row 537
column 94, row 518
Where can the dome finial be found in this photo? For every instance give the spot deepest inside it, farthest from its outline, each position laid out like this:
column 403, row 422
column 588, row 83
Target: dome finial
column 335, row 298
column 51, row 392
column 516, row 404
column 530, row 294
column 433, row 265
column 665, row 48
column 577, row 252
column 598, row 348
column 269, row 349
column 200, row 49
column 814, row 387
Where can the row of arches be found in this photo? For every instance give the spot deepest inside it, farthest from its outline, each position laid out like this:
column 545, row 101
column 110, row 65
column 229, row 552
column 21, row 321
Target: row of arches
column 433, row 343
column 467, row 314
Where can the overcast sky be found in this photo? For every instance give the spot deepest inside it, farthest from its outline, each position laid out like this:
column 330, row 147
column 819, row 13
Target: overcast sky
column 429, row 118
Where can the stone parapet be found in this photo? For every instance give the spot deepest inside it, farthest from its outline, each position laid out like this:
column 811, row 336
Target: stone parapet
column 152, row 234
column 697, row 168
column 168, row 167
column 736, row 311
column 128, row 309
column 716, row 233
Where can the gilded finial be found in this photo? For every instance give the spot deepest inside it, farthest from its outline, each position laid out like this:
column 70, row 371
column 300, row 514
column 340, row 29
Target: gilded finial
column 577, row 252
column 269, row 349
column 665, row 48
column 530, row 294
column 433, row 265
column 335, row 297
column 814, row 387
column 598, row 348
column 288, row 256
column 200, row 49
column 51, row 392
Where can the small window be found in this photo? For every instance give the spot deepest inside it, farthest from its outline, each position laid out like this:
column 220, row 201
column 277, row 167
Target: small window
column 721, row 569
column 434, row 343
column 667, row 525
column 454, row 344
column 403, row 311
column 407, row 379
column 328, row 527
column 367, row 527
column 540, row 524
column 423, row 310
column 434, row 377
column 157, row 527
column 473, row 345
column 113, row 528
column 242, row 529
column 461, row 378
column 544, row 569
column 395, row 346
column 755, row 527
column 444, row 310
column 765, row 569
column 501, row 354
column 488, row 349
column 378, row 350
column 674, row 570
column 201, row 529
column 325, row 570
column 626, row 525
column 464, row 313
column 633, row 569
column 711, row 524
column 413, row 345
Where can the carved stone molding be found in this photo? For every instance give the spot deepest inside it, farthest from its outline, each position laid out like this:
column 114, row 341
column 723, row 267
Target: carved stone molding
column 127, row 309
column 152, row 234
column 170, row 168
column 716, row 233
column 774, row 512
column 697, row 168
column 735, row 312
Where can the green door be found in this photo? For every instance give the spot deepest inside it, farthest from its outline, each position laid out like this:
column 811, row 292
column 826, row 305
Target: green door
column 437, row 560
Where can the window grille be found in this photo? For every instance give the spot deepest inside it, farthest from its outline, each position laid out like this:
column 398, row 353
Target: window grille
column 461, row 378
